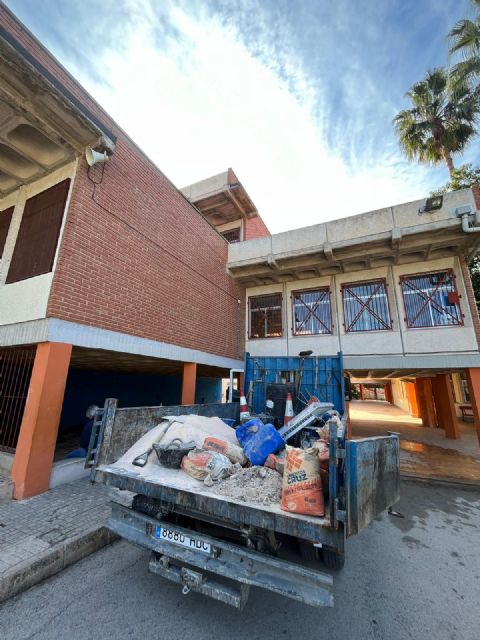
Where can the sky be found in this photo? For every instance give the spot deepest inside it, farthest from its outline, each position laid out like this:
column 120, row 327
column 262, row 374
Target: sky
column 297, row 96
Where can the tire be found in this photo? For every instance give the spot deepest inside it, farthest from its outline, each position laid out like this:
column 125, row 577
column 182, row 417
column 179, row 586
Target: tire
column 308, row 551
column 147, row 505
column 332, row 559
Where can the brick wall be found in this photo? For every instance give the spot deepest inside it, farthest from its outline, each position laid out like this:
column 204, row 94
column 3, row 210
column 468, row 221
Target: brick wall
column 136, row 257
column 470, row 297
column 255, row 228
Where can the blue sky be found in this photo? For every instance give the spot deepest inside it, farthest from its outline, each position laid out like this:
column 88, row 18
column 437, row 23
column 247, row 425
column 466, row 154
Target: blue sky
column 296, row 95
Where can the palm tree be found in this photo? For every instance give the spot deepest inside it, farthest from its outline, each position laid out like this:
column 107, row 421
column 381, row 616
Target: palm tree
column 465, row 39
column 440, row 122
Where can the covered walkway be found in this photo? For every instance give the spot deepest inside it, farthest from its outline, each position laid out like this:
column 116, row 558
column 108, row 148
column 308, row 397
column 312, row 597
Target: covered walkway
column 425, row 452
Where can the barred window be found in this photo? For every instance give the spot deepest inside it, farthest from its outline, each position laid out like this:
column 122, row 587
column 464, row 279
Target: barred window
column 232, row 235
column 365, row 306
column 265, row 316
column 311, row 312
column 431, row 300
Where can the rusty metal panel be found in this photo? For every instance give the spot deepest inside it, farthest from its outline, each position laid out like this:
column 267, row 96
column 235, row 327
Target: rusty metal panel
column 373, row 479
column 123, row 427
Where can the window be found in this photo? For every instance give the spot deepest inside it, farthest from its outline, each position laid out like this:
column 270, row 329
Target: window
column 266, row 316
column 365, row 306
column 232, row 235
column 311, row 312
column 38, row 234
column 5, row 220
column 431, row 300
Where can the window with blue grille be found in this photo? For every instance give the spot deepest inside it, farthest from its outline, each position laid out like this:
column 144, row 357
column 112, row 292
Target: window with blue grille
column 365, row 306
column 311, row 312
column 431, row 300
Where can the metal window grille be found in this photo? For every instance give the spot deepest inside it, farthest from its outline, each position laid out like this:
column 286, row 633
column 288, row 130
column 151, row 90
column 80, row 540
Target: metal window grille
column 431, row 300
column 265, row 313
column 311, row 312
column 16, row 366
column 365, row 306
column 231, row 236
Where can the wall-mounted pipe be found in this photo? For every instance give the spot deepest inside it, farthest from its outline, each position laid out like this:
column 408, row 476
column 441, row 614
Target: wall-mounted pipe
column 466, row 228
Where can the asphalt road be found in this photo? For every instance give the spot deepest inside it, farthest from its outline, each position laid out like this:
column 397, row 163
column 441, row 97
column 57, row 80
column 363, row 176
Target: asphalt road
column 417, row 577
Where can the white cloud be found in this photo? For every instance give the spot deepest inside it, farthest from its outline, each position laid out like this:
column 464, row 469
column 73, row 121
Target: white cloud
column 201, row 102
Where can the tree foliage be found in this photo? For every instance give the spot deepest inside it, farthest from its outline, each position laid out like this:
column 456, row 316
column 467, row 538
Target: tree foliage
column 465, row 39
column 440, row 122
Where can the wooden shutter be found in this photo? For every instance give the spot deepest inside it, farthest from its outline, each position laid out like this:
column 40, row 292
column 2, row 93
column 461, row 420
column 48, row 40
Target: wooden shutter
column 38, row 234
column 5, row 220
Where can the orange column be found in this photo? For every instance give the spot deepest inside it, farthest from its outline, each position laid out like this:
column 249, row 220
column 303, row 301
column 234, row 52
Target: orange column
column 361, row 392
column 444, row 405
column 389, row 393
column 425, row 402
column 33, row 460
column 412, row 399
column 473, row 379
column 188, row 382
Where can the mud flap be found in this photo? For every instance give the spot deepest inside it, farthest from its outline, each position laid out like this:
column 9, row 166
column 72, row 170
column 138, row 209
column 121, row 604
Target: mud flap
column 373, row 473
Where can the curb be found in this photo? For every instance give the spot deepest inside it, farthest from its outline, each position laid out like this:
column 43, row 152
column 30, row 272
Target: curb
column 53, row 560
column 472, row 484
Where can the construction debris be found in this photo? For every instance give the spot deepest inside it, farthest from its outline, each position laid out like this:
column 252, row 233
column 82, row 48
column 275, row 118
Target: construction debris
column 255, row 484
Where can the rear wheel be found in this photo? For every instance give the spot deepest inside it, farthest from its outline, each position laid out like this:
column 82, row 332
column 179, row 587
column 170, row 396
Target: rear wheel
column 308, row 551
column 332, row 559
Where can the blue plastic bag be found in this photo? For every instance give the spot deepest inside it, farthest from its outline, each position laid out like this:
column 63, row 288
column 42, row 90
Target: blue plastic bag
column 258, row 440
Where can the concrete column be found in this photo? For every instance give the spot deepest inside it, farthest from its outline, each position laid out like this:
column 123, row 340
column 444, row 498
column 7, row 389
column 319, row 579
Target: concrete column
column 389, row 393
column 445, row 405
column 473, row 379
column 412, row 399
column 188, row 382
column 425, row 402
column 361, row 392
column 33, row 460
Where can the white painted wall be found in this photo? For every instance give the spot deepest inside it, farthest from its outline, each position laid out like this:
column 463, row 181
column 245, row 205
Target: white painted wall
column 399, row 341
column 28, row 299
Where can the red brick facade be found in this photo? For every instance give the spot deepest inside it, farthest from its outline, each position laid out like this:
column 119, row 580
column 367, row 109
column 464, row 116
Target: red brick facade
column 136, row 257
column 470, row 297
column 255, row 228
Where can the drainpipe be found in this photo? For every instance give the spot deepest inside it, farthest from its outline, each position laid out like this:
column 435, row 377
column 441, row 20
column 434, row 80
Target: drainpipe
column 466, row 228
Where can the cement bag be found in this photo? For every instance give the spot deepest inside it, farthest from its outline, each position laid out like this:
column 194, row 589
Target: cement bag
column 302, row 483
column 199, row 464
column 232, row 451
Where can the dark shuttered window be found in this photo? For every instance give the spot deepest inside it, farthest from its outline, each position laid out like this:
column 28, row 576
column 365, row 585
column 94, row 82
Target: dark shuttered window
column 5, row 220
column 265, row 316
column 38, row 234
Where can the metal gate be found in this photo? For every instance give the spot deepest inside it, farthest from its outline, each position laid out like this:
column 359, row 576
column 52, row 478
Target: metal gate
column 16, row 364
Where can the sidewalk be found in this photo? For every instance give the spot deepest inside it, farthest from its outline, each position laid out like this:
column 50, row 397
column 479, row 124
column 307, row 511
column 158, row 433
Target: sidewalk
column 44, row 534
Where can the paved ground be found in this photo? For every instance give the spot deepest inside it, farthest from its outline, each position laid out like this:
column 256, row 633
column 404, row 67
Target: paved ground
column 424, row 452
column 411, row 578
column 41, row 535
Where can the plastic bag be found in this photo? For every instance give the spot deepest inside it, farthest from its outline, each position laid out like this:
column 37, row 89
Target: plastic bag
column 232, row 451
column 199, row 464
column 302, row 483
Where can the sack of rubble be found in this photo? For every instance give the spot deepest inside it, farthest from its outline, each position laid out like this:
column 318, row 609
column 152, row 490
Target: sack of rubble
column 199, row 464
column 302, row 482
column 233, row 452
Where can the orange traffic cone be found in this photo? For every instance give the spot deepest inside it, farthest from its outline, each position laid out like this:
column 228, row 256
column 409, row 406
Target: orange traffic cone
column 288, row 409
column 244, row 412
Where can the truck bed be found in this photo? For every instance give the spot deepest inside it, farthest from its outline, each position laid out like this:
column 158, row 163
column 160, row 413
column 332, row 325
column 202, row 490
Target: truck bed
column 185, row 494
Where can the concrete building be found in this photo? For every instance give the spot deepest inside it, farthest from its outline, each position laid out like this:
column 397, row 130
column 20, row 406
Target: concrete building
column 102, row 290
column 388, row 288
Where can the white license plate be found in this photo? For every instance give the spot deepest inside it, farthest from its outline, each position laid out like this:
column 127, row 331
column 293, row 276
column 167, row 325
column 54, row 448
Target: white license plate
column 164, row 533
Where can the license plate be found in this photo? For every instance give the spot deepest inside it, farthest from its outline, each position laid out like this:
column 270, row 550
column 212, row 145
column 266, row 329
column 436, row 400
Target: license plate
column 164, row 533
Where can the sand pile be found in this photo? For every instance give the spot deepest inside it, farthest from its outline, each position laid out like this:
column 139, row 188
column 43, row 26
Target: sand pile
column 255, row 484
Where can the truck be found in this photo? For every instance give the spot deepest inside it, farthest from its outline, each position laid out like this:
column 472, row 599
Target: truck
column 221, row 547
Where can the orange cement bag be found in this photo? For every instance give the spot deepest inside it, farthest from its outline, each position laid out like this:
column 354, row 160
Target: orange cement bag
column 233, row 452
column 199, row 464
column 302, row 483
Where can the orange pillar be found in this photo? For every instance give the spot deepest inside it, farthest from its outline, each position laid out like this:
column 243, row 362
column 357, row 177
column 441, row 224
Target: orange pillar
column 389, row 393
column 361, row 392
column 412, row 399
column 445, row 405
column 425, row 402
column 473, row 380
column 33, row 460
column 188, row 382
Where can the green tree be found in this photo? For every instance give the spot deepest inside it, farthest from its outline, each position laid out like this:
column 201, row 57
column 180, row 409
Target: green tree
column 441, row 121
column 465, row 40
